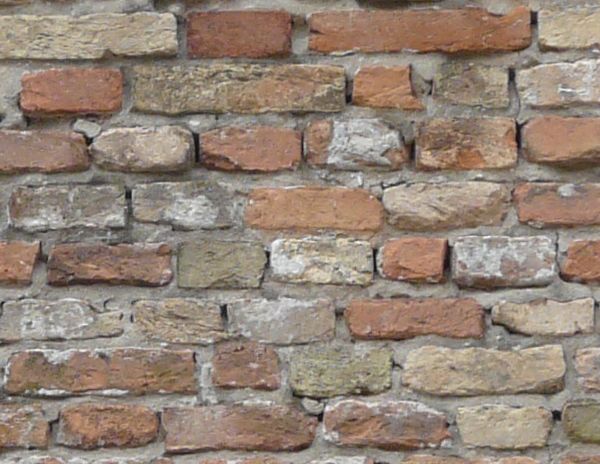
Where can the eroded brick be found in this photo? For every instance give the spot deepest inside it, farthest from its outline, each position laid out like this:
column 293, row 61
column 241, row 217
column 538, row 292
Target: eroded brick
column 23, row 426
column 568, row 29
column 581, row 263
column 385, row 87
column 581, row 421
column 17, row 260
column 414, row 259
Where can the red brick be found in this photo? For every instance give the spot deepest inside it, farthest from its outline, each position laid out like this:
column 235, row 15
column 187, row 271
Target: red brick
column 415, row 259
column 23, row 426
column 254, row 148
column 582, row 263
column 403, row 318
column 81, row 263
column 239, row 34
column 58, row 92
column 314, row 208
column 17, row 260
column 385, row 87
column 450, row 31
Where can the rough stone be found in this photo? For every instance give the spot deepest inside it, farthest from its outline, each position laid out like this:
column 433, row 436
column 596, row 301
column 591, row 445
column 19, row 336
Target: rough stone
column 385, row 87
column 581, row 421
column 581, row 263
column 23, row 426
column 17, row 260
column 569, row 29
column 88, row 128
column 587, row 365
column 415, row 259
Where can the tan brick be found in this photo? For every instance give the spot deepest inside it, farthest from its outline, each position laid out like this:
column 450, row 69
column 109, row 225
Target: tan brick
column 385, row 87
column 17, row 260
column 568, row 29
column 414, row 259
column 581, row 263
column 429, row 459
column 23, row 426
column 587, row 361
column 581, row 420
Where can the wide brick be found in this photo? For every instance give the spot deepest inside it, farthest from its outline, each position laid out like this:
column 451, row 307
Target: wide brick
column 314, row 208
column 477, row 371
column 124, row 264
column 580, row 459
column 587, row 363
column 568, row 29
column 158, row 149
column 546, row 317
column 239, row 34
column 463, row 144
column 581, row 263
column 385, row 87
column 354, row 145
column 63, row 92
column 497, row 261
column 504, row 427
column 248, row 427
column 220, row 264
column 55, row 207
column 385, row 424
column 90, row 426
column 50, row 320
column 284, row 321
column 449, row 31
column 183, row 205
column 415, row 259
column 430, row 459
column 581, row 421
column 110, row 372
column 471, row 84
column 245, row 365
column 87, row 37
column 42, row 151
column 238, row 88
column 320, row 260
column 17, row 260
column 403, row 318
column 559, row 85
column 251, row 148
column 23, row 426
column 325, row 372
column 562, row 141
column 448, row 205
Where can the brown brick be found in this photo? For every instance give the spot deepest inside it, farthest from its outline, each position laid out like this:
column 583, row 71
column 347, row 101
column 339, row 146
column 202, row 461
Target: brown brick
column 245, row 365
column 415, row 259
column 403, row 318
column 23, row 426
column 313, row 208
column 581, row 263
column 450, row 31
column 81, row 263
column 260, row 427
column 385, row 87
column 254, row 148
column 42, row 151
column 135, row 371
column 430, row 459
column 580, row 459
column 90, row 426
column 17, row 260
column 236, row 34
column 58, row 92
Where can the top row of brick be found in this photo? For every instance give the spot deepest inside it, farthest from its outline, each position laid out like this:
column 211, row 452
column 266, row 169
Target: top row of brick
column 268, row 34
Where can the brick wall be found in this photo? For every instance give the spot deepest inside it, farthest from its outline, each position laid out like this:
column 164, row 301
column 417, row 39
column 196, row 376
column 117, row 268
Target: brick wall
column 299, row 231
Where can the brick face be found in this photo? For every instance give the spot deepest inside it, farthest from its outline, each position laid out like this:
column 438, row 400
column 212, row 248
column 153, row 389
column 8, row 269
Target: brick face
column 385, row 87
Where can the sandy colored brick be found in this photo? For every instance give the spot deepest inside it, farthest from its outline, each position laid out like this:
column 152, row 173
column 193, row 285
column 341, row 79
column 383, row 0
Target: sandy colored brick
column 587, row 366
column 580, row 459
column 581, row 263
column 385, row 87
column 17, row 261
column 23, row 426
column 430, row 459
column 414, row 259
column 581, row 421
column 569, row 29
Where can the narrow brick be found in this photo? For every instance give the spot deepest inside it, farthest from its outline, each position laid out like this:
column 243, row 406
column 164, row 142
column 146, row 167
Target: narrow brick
column 385, row 87
column 79, row 263
column 581, row 421
column 17, row 260
column 404, row 318
column 23, row 426
column 64, row 92
column 581, row 263
column 587, row 361
column 414, row 259
column 239, row 34
column 568, row 29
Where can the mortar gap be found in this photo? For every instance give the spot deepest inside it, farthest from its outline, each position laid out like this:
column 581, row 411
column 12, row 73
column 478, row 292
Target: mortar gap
column 557, row 415
column 196, row 147
column 224, row 314
column 534, row 18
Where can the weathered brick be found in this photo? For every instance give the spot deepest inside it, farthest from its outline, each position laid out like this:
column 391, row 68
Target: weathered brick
column 17, row 260
column 23, row 426
column 238, row 88
column 504, row 427
column 55, row 207
column 478, row 371
column 284, row 321
column 108, row 372
column 403, row 318
column 89, row 426
column 245, row 365
column 385, row 87
column 62, row 92
column 563, row 141
column 236, row 34
column 449, row 205
column 581, row 421
column 463, row 144
column 183, row 205
column 49, row 320
column 546, row 317
column 251, row 427
column 559, row 85
column 580, row 459
column 124, row 264
column 385, row 424
column 252, row 148
column 449, row 31
column 471, row 84
column 587, row 362
column 354, row 145
column 314, row 208
column 251, row 460
column 581, row 263
column 568, row 29
column 42, row 151
column 87, row 37
column 497, row 261
column 429, row 459
column 158, row 149
column 415, row 259
column 320, row 260
column 180, row 320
